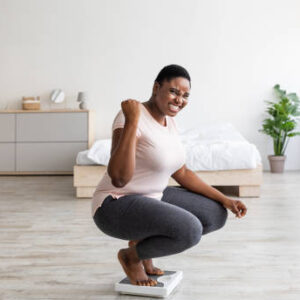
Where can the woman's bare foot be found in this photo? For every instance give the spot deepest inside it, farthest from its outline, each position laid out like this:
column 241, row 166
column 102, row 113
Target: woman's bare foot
column 133, row 267
column 148, row 264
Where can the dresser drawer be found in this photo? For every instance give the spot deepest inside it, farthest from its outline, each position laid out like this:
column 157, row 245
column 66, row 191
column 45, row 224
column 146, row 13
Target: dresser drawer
column 47, row 156
column 52, row 127
column 7, row 127
column 7, row 156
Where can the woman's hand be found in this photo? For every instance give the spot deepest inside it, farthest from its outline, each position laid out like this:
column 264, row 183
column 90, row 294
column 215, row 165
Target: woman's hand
column 236, row 206
column 131, row 109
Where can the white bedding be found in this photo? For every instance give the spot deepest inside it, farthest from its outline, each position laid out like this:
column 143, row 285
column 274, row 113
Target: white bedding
column 210, row 147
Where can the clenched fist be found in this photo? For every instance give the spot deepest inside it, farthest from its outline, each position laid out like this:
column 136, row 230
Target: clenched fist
column 131, row 109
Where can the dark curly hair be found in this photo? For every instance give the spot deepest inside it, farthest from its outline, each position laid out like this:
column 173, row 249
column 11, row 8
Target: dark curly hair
column 171, row 71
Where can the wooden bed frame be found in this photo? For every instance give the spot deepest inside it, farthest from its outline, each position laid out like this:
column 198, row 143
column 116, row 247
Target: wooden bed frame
column 243, row 183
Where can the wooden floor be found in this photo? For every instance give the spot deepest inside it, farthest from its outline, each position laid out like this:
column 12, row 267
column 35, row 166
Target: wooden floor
column 51, row 249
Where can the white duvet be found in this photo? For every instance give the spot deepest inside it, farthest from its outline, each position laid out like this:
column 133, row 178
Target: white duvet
column 208, row 147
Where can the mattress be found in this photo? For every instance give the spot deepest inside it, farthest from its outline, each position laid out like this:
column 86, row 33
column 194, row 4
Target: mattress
column 208, row 148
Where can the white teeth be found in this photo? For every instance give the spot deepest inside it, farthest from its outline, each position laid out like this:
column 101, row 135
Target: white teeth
column 173, row 107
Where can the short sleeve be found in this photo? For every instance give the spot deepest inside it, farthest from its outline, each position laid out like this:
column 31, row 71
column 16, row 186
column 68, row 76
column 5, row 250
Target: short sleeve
column 119, row 122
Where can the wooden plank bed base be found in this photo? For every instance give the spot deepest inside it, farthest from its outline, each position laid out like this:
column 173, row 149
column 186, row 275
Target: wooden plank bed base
column 243, row 183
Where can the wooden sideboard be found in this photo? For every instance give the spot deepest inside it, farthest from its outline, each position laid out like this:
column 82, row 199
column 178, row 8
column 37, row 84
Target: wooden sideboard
column 43, row 141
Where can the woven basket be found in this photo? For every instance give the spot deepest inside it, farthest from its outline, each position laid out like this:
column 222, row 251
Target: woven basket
column 30, row 103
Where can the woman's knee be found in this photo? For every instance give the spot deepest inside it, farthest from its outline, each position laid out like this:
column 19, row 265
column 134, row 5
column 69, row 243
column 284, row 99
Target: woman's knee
column 223, row 216
column 219, row 219
column 192, row 234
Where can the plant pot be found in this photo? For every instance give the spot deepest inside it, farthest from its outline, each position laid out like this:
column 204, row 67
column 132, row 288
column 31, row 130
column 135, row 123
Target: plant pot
column 277, row 163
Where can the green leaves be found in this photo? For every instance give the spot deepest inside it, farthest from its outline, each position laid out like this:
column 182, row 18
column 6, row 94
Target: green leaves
column 293, row 134
column 284, row 114
column 280, row 93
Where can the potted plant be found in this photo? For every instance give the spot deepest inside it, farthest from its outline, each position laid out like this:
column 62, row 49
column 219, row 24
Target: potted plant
column 280, row 125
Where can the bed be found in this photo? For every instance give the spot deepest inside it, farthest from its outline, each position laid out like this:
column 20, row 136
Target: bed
column 218, row 153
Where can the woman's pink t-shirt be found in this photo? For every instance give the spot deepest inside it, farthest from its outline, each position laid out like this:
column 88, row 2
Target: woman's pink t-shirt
column 159, row 154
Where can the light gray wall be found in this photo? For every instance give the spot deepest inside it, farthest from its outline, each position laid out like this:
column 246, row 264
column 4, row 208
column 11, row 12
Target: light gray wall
column 234, row 50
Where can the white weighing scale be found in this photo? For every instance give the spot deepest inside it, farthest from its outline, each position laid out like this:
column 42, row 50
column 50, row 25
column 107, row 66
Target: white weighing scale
column 165, row 285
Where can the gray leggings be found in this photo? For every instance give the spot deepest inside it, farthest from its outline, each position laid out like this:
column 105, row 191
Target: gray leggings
column 164, row 227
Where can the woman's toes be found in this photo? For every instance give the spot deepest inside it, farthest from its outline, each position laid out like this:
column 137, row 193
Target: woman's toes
column 159, row 272
column 143, row 282
column 155, row 271
column 148, row 282
column 153, row 282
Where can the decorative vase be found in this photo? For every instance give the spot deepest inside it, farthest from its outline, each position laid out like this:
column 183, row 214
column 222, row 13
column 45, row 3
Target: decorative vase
column 277, row 163
column 82, row 105
column 83, row 98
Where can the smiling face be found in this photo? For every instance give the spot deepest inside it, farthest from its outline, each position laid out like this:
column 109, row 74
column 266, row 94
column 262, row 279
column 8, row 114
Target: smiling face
column 171, row 96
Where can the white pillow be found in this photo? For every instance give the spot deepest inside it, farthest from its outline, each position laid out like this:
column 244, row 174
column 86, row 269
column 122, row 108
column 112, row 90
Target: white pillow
column 100, row 152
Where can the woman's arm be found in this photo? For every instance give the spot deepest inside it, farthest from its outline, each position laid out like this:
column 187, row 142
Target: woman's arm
column 122, row 160
column 191, row 181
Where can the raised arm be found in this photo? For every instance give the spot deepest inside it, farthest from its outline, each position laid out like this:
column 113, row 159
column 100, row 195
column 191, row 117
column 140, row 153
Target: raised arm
column 122, row 161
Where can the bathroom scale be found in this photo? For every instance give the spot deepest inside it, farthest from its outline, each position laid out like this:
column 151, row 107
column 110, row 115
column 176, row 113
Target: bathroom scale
column 166, row 283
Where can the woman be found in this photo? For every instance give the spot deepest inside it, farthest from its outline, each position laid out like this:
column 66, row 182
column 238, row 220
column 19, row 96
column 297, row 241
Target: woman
column 133, row 200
